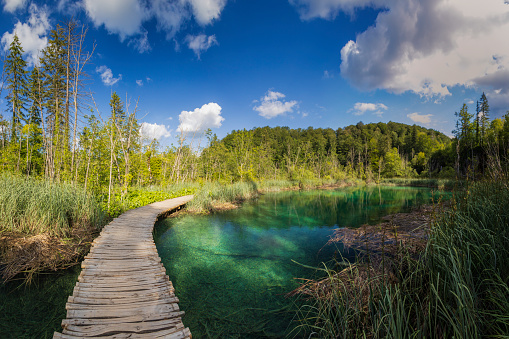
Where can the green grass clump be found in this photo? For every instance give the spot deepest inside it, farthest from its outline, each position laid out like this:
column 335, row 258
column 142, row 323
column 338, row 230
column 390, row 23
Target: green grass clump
column 31, row 206
column 141, row 196
column 457, row 288
column 210, row 194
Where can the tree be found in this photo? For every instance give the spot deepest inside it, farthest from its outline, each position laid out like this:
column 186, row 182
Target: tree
column 54, row 69
column 34, row 140
column 483, row 114
column 16, row 79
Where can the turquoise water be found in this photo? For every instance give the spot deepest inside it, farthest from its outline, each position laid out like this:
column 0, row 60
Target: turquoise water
column 231, row 270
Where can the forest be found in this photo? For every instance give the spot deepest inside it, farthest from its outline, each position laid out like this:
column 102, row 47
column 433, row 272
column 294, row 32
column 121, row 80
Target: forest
column 51, row 129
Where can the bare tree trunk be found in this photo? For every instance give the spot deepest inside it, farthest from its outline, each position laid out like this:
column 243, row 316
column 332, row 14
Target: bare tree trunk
column 79, row 62
column 111, row 167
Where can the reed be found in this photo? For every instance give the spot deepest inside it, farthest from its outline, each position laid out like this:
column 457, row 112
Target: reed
column 31, row 206
column 210, row 195
column 457, row 288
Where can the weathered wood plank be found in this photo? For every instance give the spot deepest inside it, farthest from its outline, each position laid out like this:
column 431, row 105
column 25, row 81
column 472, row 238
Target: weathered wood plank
column 121, row 320
column 102, row 330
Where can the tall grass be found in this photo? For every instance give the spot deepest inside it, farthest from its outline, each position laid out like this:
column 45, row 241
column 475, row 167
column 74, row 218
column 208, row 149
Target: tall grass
column 457, row 288
column 31, row 206
column 213, row 194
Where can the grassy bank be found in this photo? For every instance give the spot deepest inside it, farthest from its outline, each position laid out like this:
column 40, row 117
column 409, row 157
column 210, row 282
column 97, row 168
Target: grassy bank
column 458, row 286
column 44, row 226
column 212, row 196
column 442, row 184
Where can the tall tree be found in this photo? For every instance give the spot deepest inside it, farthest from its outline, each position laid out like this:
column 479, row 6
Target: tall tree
column 484, row 112
column 54, row 70
column 16, row 79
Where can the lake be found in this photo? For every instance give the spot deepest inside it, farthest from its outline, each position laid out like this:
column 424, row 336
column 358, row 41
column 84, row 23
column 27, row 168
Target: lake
column 231, row 270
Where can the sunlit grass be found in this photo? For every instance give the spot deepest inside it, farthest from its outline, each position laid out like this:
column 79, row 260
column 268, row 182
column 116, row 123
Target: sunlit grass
column 31, row 206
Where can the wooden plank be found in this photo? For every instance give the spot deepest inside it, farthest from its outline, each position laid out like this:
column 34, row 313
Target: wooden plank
column 158, row 310
column 79, row 305
column 89, row 289
column 102, row 330
column 170, row 334
column 120, row 320
column 114, row 295
column 168, row 298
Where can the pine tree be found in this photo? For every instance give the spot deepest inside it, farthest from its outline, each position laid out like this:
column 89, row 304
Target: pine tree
column 34, row 140
column 16, row 79
column 484, row 110
column 463, row 131
column 54, row 70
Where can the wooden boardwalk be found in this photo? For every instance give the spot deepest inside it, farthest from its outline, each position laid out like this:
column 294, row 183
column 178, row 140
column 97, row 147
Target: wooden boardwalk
column 123, row 290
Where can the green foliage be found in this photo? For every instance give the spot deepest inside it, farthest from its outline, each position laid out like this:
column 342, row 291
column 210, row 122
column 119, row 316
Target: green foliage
column 33, row 206
column 138, row 197
column 16, row 79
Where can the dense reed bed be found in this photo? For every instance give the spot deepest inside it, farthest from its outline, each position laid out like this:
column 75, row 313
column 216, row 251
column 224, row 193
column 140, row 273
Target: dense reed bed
column 457, row 287
column 44, row 226
column 31, row 206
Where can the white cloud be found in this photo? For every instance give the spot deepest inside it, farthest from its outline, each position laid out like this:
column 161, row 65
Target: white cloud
column 208, row 116
column 126, row 17
column 200, row 43
column 362, row 107
column 139, row 82
column 327, row 9
column 207, row 10
column 272, row 105
column 327, row 75
column 140, row 42
column 425, row 47
column 13, row 5
column 32, row 34
column 107, row 76
column 122, row 17
column 154, row 131
column 420, row 118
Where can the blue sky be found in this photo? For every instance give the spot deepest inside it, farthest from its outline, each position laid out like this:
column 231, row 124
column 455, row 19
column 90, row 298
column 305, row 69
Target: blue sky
column 233, row 64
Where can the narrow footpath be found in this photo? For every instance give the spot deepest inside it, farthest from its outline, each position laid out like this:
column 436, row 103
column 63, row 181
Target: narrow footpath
column 123, row 290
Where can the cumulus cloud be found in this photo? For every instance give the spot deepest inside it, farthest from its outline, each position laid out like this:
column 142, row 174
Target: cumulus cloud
column 13, row 5
column 122, row 17
column 139, row 82
column 208, row 116
column 420, row 118
column 273, row 105
column 362, row 107
column 107, row 76
column 205, row 11
column 32, row 34
column 425, row 47
column 200, row 43
column 154, row 131
column 126, row 17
